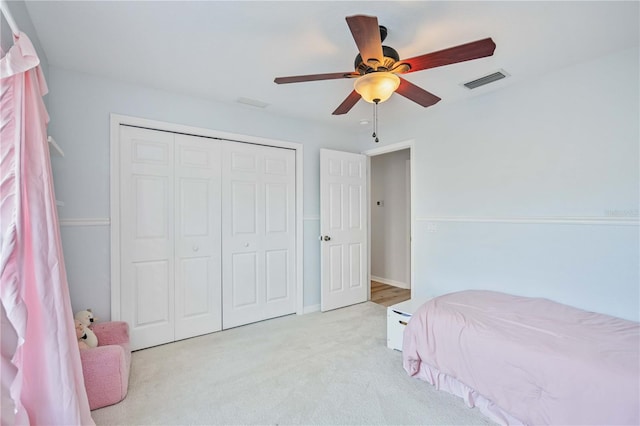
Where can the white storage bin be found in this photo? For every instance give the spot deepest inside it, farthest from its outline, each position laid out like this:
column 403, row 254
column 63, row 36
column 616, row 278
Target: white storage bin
column 397, row 318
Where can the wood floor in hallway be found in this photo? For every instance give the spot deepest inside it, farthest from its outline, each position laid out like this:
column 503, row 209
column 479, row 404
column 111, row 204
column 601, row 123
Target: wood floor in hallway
column 387, row 295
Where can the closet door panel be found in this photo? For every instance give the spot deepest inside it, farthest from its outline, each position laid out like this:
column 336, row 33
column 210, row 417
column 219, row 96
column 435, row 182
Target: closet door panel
column 146, row 235
column 244, row 208
column 196, row 293
column 244, row 284
column 276, row 200
column 277, row 266
column 197, row 230
column 150, row 293
column 258, row 205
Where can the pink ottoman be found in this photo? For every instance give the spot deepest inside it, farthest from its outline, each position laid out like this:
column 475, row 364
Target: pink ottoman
column 106, row 368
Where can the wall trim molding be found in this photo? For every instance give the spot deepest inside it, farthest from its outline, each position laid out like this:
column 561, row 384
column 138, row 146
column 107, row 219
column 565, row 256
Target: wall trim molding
column 393, row 283
column 86, row 221
column 555, row 220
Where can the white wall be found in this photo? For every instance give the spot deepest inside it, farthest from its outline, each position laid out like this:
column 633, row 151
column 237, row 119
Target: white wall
column 80, row 105
column 389, row 239
column 488, row 172
column 496, row 173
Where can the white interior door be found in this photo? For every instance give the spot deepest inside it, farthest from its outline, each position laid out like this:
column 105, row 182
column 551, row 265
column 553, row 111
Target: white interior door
column 198, row 304
column 258, row 235
column 146, row 235
column 343, row 225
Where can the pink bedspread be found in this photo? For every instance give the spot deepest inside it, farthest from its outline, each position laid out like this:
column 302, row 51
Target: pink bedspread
column 539, row 361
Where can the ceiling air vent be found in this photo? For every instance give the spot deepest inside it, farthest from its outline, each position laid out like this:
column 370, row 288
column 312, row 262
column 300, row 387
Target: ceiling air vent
column 252, row 102
column 498, row 75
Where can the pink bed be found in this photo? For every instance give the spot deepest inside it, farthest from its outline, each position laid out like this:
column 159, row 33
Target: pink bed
column 527, row 361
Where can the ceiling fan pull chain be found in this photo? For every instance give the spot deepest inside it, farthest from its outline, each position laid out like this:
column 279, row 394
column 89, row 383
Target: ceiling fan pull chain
column 375, row 122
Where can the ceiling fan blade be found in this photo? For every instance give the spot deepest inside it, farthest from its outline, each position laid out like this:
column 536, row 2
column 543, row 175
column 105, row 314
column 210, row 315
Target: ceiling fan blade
column 366, row 33
column 452, row 55
column 314, row 77
column 416, row 94
column 347, row 104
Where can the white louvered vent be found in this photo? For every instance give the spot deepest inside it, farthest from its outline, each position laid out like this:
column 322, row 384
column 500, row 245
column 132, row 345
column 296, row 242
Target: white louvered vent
column 252, row 102
column 498, row 75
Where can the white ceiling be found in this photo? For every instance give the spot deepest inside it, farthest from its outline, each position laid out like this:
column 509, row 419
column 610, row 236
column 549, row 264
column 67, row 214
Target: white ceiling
column 223, row 50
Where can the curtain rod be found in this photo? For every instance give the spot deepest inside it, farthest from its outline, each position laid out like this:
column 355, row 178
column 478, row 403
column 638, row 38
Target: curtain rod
column 4, row 7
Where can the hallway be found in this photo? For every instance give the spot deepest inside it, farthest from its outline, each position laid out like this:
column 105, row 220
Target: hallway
column 388, row 295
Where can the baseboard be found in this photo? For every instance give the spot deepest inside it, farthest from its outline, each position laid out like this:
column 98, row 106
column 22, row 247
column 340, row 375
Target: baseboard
column 311, row 308
column 391, row 282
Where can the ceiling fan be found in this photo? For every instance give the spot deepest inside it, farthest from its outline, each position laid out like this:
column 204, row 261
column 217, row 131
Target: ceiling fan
column 377, row 66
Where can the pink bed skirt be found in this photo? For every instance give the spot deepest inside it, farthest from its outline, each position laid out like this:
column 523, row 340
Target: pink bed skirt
column 471, row 397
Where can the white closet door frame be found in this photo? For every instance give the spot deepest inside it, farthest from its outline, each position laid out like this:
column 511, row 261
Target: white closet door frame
column 117, row 120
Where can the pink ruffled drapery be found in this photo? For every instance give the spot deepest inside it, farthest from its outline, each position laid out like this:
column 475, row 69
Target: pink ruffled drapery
column 42, row 380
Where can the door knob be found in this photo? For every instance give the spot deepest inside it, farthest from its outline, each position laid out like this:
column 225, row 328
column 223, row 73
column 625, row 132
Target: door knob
column 327, row 238
column 195, row 248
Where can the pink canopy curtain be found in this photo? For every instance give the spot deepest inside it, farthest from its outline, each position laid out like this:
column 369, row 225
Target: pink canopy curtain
column 42, row 380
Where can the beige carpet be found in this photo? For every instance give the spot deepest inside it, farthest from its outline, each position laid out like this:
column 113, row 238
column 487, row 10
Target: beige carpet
column 321, row 368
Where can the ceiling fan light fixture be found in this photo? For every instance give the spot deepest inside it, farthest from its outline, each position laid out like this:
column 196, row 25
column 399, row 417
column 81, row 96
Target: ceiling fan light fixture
column 376, row 87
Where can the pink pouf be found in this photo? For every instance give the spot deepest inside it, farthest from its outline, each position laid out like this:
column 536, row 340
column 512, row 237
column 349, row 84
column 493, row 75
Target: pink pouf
column 106, row 367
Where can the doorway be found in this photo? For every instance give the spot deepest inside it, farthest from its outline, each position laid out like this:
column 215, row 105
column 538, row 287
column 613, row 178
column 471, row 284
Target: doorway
column 390, row 224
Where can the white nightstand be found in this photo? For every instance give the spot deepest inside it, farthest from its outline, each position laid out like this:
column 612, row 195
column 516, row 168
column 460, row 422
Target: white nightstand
column 397, row 318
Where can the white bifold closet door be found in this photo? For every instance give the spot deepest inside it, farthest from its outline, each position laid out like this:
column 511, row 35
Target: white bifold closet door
column 197, row 236
column 258, row 235
column 202, row 221
column 170, row 235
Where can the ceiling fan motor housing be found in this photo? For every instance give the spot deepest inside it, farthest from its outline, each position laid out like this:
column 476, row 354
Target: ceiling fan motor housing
column 390, row 57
